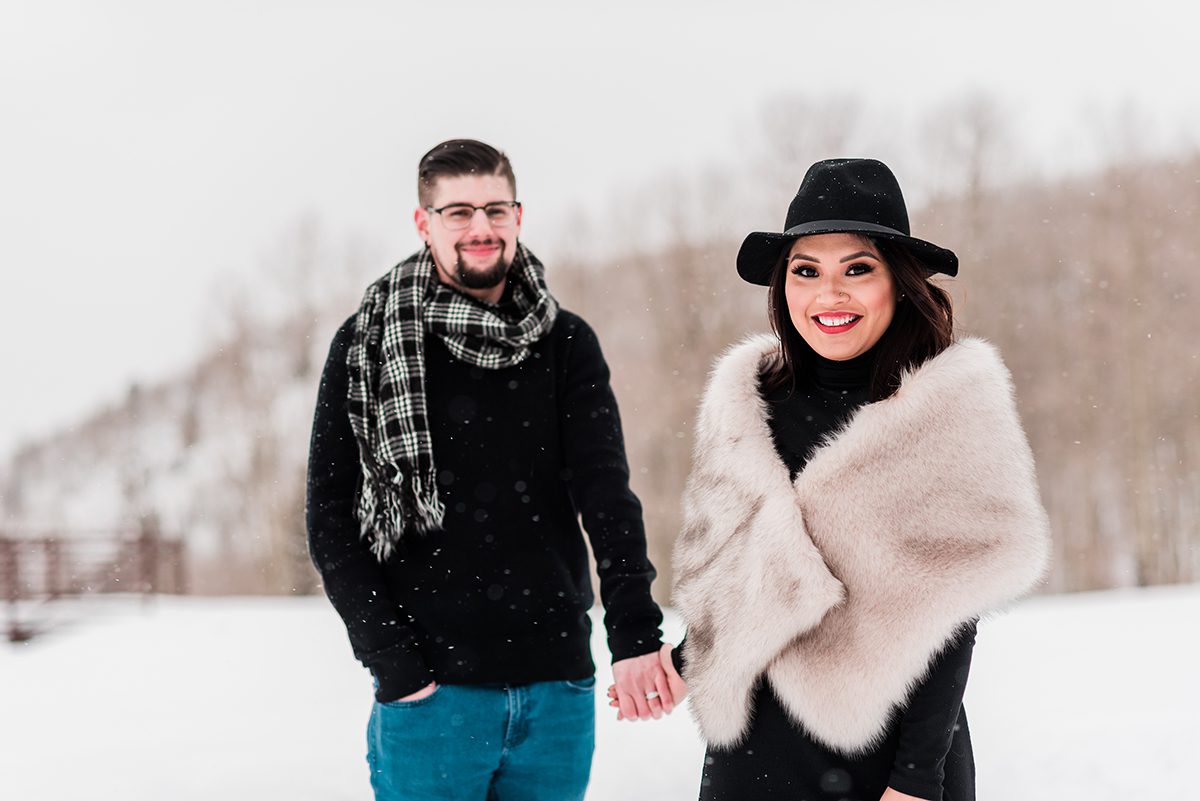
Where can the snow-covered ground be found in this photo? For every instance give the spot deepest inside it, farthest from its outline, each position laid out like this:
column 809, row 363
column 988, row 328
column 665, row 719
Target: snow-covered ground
column 1090, row 697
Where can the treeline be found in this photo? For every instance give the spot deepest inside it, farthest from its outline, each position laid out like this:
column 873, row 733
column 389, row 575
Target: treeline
column 1087, row 284
column 1090, row 288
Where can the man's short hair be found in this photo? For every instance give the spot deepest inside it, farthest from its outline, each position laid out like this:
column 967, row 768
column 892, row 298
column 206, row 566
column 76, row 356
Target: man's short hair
column 457, row 157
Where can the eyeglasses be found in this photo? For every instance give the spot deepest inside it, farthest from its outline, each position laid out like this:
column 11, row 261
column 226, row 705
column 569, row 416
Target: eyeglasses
column 457, row 216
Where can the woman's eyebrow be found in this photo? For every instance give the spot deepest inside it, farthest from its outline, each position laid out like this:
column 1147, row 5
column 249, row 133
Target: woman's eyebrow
column 860, row 254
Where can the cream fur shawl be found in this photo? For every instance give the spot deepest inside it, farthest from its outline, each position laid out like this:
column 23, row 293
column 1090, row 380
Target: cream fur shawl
column 920, row 514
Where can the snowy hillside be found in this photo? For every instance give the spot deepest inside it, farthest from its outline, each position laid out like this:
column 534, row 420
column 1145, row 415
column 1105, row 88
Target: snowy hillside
column 1071, row 697
column 217, row 452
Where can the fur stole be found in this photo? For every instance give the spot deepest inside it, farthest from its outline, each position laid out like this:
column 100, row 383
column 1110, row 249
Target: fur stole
column 920, row 514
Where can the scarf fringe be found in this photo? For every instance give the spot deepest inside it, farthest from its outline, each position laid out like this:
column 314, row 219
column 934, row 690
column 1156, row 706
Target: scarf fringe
column 384, row 513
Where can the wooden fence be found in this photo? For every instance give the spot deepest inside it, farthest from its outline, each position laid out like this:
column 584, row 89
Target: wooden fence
column 40, row 569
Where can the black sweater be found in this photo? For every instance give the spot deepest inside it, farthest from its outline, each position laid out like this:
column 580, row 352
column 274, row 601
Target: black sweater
column 778, row 758
column 501, row 595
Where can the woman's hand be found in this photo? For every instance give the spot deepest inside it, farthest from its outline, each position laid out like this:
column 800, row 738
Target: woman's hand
column 675, row 682
column 895, row 795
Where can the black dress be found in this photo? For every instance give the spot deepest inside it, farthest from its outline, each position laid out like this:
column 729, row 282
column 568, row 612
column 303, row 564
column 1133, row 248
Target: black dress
column 926, row 751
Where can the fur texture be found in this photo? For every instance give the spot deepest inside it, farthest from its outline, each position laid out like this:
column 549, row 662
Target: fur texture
column 921, row 513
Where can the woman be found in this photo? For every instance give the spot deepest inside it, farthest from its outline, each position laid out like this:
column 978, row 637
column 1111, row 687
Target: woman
column 862, row 492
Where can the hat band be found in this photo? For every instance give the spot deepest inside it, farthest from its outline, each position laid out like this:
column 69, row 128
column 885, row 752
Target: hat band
column 841, row 226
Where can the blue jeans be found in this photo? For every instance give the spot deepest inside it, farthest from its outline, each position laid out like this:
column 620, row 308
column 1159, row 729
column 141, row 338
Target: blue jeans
column 527, row 742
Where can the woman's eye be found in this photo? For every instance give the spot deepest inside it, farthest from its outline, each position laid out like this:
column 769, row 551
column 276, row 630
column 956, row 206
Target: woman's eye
column 859, row 269
column 804, row 272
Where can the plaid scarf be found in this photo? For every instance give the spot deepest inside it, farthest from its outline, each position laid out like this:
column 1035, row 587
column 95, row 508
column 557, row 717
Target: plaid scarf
column 386, row 364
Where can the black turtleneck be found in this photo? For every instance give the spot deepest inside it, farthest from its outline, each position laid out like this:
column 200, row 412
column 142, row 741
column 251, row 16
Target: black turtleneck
column 926, row 751
column 826, row 394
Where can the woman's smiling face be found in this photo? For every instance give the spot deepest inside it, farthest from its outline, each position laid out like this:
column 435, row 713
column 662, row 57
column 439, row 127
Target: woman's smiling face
column 840, row 293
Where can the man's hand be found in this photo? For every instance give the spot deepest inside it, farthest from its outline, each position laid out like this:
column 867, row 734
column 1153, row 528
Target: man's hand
column 424, row 692
column 641, row 689
column 895, row 795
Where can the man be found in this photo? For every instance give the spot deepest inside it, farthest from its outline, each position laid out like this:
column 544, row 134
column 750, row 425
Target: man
column 465, row 424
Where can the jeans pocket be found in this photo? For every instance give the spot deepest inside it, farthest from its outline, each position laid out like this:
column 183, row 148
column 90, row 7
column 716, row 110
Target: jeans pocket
column 581, row 685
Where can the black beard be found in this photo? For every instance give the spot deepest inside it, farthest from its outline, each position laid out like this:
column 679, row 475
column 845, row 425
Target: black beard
column 482, row 279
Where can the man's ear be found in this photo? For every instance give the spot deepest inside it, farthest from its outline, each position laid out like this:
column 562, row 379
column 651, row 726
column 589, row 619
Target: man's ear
column 421, row 219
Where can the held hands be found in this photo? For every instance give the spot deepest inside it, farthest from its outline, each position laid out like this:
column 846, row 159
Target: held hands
column 646, row 686
column 641, row 690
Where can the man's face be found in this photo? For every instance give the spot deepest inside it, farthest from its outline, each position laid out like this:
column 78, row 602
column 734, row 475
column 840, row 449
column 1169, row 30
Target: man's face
column 476, row 257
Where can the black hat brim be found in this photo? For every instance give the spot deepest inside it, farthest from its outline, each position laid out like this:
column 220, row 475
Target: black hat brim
column 760, row 250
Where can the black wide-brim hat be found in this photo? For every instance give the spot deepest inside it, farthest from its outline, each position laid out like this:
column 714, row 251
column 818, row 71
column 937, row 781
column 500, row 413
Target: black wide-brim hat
column 842, row 196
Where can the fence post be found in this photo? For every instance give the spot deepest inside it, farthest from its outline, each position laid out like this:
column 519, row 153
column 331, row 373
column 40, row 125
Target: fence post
column 148, row 556
column 54, row 583
column 10, row 571
column 178, row 553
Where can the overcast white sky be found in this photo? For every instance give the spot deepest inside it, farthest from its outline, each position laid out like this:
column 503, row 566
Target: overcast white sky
column 149, row 149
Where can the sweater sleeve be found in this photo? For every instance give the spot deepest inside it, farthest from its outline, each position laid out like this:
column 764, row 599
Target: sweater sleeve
column 381, row 635
column 929, row 721
column 598, row 477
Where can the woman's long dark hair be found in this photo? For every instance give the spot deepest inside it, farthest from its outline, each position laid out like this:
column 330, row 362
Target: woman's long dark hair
column 921, row 328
